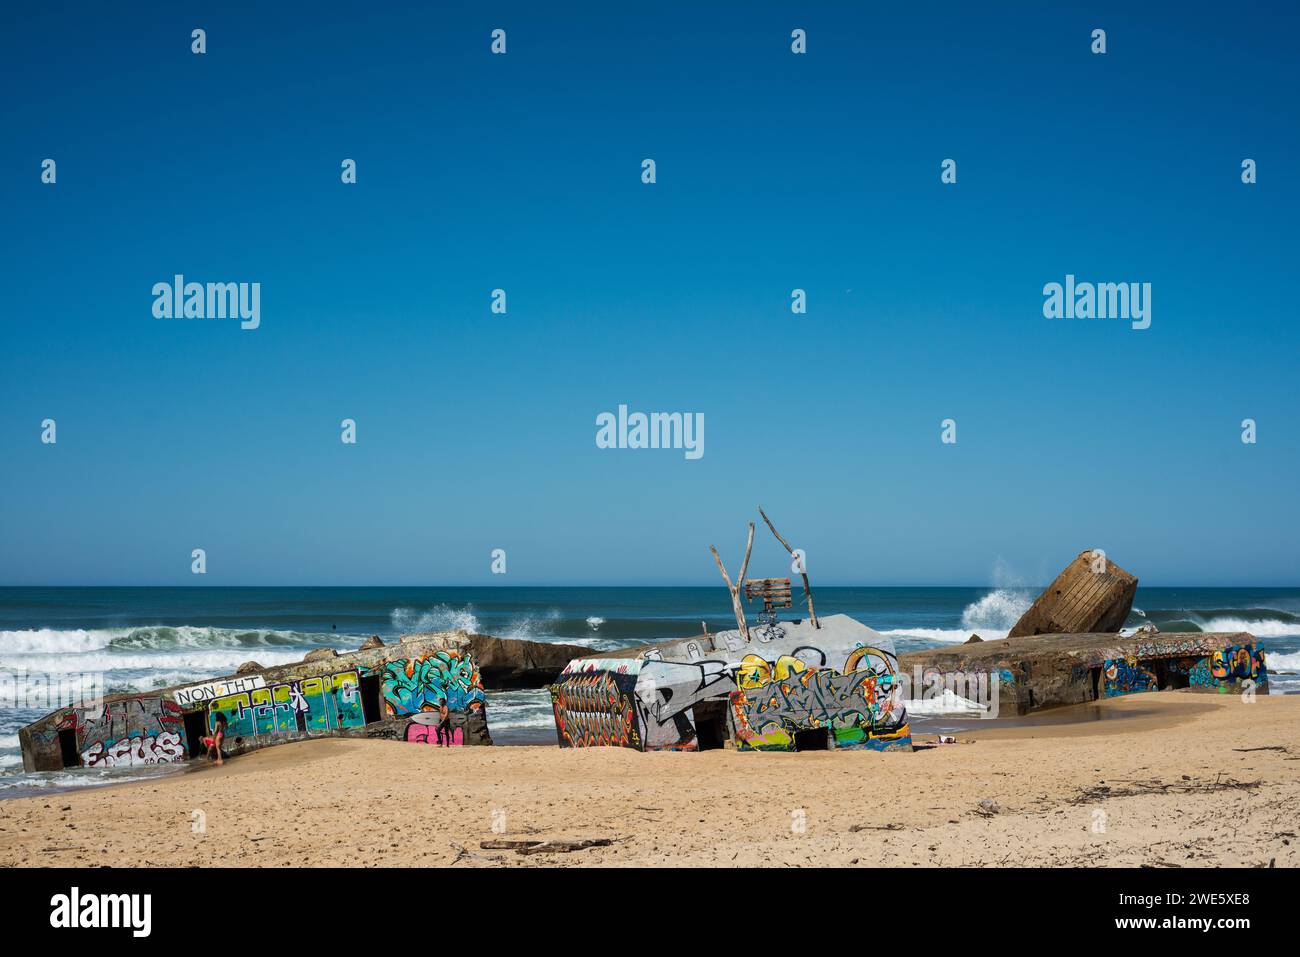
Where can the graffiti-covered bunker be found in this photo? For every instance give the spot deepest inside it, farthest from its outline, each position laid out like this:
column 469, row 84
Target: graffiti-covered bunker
column 1034, row 672
column 380, row 691
column 800, row 685
column 791, row 685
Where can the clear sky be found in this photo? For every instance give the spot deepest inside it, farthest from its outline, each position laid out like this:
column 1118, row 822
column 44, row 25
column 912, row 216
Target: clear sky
column 775, row 171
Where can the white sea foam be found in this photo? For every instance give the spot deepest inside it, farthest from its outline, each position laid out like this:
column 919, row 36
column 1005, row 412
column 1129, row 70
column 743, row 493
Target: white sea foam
column 596, row 644
column 595, row 622
column 534, row 627
column 948, row 703
column 996, row 611
column 947, row 636
column 510, row 710
column 990, row 617
column 147, row 638
column 1289, row 662
column 1260, row 628
column 55, row 641
column 85, row 777
column 409, row 621
column 201, row 663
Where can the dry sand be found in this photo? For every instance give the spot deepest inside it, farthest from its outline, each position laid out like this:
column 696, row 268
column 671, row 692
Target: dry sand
column 1165, row 758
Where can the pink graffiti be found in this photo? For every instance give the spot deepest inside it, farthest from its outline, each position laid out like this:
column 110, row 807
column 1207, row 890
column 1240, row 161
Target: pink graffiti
column 428, row 734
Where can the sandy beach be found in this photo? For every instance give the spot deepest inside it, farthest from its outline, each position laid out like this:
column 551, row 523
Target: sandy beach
column 1174, row 780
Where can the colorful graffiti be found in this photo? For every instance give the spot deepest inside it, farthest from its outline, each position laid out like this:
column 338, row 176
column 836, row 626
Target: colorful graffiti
column 163, row 748
column 593, row 710
column 1238, row 663
column 1126, row 676
column 1198, row 674
column 141, row 730
column 777, row 699
column 1221, row 670
column 319, row 704
column 412, row 685
column 838, row 674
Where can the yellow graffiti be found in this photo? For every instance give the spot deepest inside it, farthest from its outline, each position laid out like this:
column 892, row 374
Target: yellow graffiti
column 755, row 672
column 862, row 651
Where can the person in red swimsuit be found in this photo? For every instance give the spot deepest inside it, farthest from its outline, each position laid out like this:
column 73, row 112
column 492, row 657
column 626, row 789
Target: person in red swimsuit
column 214, row 741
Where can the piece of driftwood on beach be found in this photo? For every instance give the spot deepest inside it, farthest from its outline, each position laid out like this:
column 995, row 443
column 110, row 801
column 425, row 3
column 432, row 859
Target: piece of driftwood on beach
column 534, row 846
column 1091, row 595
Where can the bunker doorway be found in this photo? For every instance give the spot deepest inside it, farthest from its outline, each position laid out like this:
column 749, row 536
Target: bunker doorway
column 68, row 748
column 710, row 725
column 196, row 729
column 1170, row 674
column 370, row 705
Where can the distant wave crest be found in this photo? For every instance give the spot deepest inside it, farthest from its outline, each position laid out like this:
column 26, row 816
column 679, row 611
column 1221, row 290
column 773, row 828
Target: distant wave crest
column 411, row 621
column 1261, row 622
column 146, row 638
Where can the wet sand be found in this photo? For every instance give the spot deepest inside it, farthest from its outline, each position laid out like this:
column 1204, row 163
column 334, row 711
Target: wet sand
column 1171, row 779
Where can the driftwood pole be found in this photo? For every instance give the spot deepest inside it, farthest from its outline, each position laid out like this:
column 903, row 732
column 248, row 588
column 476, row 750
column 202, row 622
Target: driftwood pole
column 735, row 589
column 807, row 589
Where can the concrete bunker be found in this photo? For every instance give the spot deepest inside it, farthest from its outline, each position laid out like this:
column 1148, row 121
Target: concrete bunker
column 791, row 687
column 382, row 691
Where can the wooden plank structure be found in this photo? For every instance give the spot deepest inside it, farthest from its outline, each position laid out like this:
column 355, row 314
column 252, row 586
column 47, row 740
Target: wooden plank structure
column 766, row 588
column 775, row 593
column 1091, row 595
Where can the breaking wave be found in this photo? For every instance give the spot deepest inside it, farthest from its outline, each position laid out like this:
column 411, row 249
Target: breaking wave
column 996, row 611
column 1289, row 662
column 520, row 710
column 206, row 663
column 410, row 621
column 990, row 616
column 148, row 638
column 1261, row 622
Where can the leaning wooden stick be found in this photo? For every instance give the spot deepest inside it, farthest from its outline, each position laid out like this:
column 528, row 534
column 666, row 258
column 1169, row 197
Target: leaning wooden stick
column 807, row 589
column 735, row 589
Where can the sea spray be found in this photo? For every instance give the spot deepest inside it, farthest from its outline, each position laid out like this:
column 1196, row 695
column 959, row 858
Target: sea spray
column 411, row 621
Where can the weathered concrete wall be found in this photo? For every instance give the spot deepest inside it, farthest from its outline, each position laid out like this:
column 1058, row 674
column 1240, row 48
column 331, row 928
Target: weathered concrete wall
column 839, row 680
column 1091, row 595
column 385, row 691
column 508, row 663
column 1046, row 671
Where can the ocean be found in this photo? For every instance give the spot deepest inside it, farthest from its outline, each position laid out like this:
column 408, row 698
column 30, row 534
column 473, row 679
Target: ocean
column 144, row 638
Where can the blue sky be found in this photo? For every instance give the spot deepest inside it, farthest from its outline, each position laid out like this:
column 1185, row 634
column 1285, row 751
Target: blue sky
column 775, row 171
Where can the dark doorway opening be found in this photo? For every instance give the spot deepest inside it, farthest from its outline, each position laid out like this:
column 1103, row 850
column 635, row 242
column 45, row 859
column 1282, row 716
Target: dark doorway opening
column 68, row 748
column 812, row 739
column 370, row 710
column 710, row 725
column 196, row 729
column 1095, row 673
column 1171, row 674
